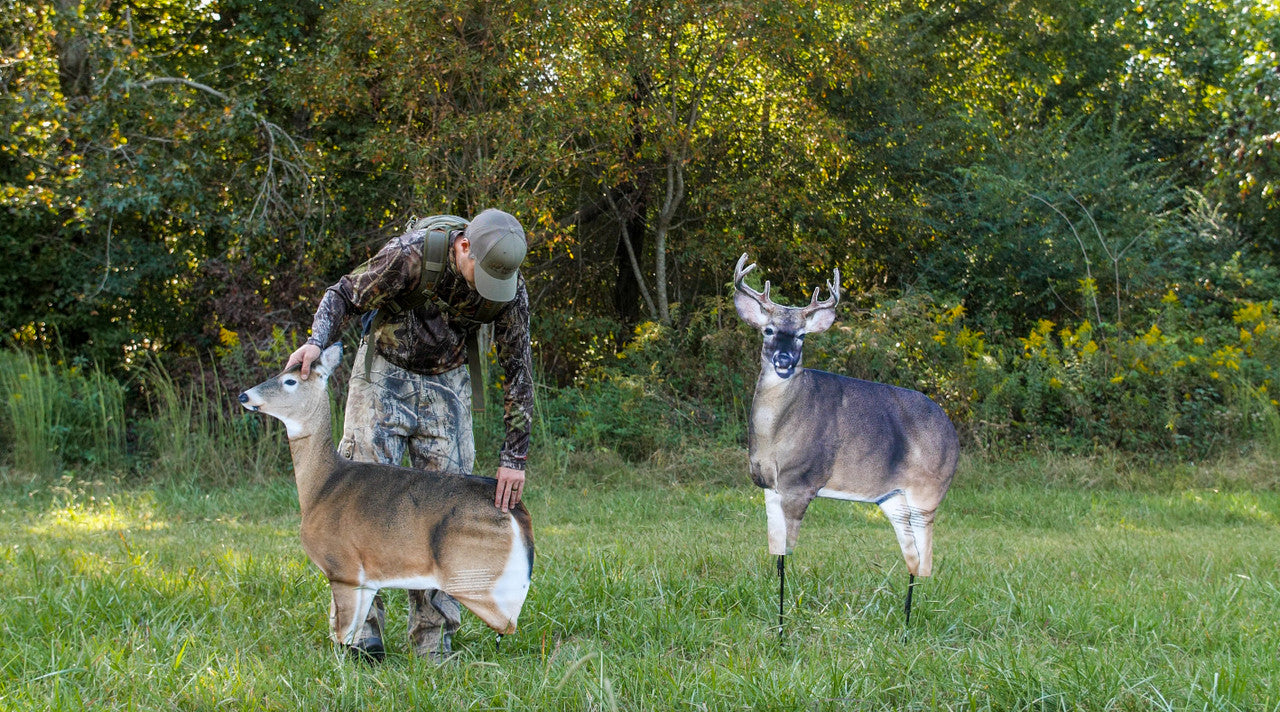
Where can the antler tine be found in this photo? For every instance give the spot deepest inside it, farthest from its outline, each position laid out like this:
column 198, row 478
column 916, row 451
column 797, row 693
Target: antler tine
column 833, row 286
column 739, row 272
column 739, row 282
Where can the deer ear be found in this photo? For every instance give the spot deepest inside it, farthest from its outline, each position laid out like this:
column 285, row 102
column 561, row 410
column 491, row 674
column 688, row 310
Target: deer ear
column 820, row 320
column 750, row 309
column 330, row 359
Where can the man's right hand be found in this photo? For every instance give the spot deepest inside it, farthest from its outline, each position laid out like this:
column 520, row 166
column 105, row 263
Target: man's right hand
column 305, row 355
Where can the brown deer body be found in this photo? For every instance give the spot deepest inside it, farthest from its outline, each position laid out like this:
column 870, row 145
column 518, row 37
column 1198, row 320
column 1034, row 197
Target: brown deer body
column 817, row 434
column 370, row 526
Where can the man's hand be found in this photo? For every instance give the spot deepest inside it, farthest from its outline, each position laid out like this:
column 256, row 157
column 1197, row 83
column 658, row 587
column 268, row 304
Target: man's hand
column 305, row 355
column 510, row 488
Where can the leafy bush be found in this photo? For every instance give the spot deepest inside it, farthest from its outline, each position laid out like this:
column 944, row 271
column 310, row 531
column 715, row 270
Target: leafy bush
column 57, row 415
column 1169, row 387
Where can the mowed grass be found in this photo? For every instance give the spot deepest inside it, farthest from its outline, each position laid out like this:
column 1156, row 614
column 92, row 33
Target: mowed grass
column 653, row 590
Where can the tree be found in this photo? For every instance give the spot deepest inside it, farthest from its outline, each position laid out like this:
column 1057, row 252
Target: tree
column 706, row 105
column 1242, row 152
column 129, row 172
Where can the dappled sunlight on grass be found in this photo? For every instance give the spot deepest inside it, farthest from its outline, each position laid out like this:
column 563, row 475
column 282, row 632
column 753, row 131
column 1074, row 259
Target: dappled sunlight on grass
column 1231, row 507
column 92, row 516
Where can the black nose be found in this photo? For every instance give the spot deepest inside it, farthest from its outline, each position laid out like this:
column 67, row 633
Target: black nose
column 244, row 397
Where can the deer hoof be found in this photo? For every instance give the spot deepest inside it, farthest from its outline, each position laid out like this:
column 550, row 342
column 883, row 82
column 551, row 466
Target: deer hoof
column 369, row 651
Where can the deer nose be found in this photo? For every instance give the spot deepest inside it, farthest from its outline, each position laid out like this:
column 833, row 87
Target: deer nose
column 244, row 397
column 782, row 359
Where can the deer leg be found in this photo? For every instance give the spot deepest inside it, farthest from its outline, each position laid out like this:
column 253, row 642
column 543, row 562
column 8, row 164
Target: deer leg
column 777, row 523
column 904, row 517
column 347, row 612
column 922, row 530
column 784, row 515
column 782, row 590
column 899, row 514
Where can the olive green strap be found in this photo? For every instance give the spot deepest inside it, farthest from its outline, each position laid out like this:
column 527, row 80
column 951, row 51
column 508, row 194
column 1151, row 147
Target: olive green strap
column 476, row 367
column 368, row 353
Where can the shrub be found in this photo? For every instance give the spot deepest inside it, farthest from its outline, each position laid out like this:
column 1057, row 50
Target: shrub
column 57, row 415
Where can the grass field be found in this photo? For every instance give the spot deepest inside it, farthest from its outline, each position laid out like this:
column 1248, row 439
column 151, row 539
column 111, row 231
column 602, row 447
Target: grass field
column 653, row 590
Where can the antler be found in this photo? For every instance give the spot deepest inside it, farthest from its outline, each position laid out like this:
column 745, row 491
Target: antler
column 833, row 286
column 739, row 273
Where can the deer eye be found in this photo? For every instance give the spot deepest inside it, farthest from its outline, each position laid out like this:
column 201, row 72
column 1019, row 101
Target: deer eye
column 768, row 331
column 290, row 382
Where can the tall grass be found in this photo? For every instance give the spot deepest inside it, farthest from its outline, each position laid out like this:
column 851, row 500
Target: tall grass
column 195, row 432
column 57, row 415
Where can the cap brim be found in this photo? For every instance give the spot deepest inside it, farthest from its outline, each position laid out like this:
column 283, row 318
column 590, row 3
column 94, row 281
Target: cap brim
column 494, row 289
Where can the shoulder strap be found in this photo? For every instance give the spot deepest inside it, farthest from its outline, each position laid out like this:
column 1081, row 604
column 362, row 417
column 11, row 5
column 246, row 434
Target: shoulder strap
column 435, row 258
column 435, row 249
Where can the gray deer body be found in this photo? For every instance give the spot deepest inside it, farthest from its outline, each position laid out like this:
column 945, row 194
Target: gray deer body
column 818, row 434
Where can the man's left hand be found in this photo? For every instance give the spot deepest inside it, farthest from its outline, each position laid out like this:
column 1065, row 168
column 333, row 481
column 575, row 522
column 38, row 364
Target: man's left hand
column 510, row 488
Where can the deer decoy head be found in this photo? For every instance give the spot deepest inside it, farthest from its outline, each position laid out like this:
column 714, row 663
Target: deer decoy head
column 784, row 328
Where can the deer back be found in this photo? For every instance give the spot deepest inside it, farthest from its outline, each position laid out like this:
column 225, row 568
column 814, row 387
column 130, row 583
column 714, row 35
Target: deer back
column 397, row 522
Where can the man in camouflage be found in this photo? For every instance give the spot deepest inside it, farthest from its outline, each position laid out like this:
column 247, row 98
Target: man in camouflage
column 413, row 393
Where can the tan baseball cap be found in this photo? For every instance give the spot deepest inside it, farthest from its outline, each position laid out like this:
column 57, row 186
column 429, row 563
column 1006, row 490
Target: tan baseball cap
column 498, row 244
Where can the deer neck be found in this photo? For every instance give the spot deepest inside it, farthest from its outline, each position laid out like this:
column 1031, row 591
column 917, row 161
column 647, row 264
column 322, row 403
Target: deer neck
column 314, row 457
column 770, row 384
column 772, row 396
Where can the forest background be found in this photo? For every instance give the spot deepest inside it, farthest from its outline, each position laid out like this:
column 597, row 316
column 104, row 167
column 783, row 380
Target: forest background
column 1058, row 219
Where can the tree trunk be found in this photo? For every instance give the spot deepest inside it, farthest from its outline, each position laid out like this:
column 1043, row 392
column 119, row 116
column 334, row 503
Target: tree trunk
column 634, row 198
column 75, row 73
column 626, row 290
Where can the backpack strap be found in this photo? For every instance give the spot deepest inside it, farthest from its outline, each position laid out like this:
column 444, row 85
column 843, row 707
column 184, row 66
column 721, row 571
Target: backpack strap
column 435, row 260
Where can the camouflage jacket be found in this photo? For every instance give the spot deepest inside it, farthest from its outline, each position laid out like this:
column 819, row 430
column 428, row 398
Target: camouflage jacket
column 428, row 340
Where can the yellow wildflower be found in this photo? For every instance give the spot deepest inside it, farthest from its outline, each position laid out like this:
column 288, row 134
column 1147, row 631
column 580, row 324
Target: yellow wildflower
column 1251, row 311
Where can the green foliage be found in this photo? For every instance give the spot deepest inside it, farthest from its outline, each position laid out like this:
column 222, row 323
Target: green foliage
column 661, row 392
column 59, row 416
column 183, row 178
column 196, row 433
column 1166, row 388
column 1065, row 222
column 129, row 176
column 1244, row 163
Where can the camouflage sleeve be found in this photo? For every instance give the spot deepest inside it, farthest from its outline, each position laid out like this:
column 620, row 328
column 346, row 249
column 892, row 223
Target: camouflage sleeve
column 511, row 336
column 329, row 319
column 394, row 270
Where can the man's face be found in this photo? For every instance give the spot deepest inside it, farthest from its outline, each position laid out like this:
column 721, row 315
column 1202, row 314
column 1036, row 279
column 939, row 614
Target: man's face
column 465, row 261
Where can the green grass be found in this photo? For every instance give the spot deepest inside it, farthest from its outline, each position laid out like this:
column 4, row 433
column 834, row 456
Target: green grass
column 653, row 590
